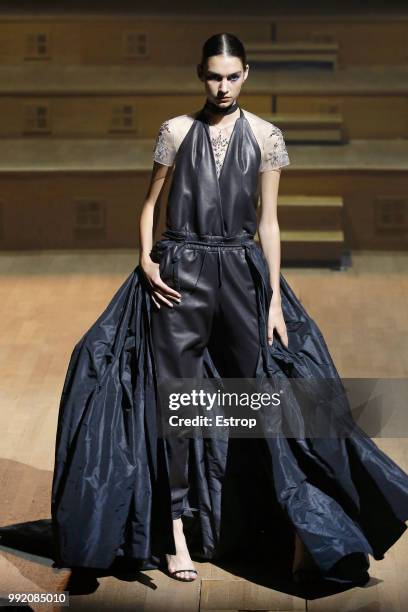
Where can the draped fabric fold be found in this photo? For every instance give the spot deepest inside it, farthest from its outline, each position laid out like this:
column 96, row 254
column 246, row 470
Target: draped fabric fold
column 110, row 492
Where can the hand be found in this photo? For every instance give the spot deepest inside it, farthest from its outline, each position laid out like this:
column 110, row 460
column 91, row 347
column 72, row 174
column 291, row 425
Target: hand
column 160, row 292
column 276, row 320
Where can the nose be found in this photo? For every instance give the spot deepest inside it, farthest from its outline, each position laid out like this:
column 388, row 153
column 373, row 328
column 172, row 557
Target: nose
column 223, row 90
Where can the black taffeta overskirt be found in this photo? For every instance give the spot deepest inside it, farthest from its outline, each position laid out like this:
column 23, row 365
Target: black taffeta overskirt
column 110, row 490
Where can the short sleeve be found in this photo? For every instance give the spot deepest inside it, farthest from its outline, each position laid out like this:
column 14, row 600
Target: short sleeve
column 164, row 150
column 274, row 154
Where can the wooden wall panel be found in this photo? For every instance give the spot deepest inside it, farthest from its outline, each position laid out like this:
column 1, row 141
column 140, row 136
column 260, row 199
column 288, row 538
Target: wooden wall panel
column 363, row 116
column 91, row 116
column 363, row 42
column 360, row 191
column 96, row 41
column 39, row 211
column 92, row 39
column 63, row 40
column 175, row 42
column 366, row 117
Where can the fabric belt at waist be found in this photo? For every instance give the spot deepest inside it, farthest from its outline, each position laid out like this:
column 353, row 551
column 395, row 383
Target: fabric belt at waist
column 191, row 238
column 208, row 239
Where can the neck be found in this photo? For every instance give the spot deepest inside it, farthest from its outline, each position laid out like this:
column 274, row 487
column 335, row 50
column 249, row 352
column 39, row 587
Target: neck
column 211, row 107
column 213, row 111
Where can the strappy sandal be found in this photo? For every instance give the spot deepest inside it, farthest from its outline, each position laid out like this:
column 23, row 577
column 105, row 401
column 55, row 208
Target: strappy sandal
column 172, row 574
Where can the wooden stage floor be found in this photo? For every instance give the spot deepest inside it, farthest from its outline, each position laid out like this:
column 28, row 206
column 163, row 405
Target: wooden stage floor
column 48, row 299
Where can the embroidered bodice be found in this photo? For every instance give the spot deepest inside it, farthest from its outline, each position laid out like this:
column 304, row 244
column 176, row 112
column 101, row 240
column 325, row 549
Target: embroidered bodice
column 269, row 137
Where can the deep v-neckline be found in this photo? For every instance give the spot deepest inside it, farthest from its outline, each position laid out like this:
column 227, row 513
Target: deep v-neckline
column 207, row 131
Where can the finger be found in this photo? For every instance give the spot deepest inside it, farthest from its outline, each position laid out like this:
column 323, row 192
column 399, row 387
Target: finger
column 283, row 336
column 166, row 289
column 159, row 288
column 155, row 301
column 163, row 299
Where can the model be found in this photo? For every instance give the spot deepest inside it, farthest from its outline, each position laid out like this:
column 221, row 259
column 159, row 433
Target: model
column 205, row 302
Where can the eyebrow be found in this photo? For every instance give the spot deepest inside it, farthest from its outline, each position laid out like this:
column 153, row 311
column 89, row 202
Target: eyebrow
column 228, row 75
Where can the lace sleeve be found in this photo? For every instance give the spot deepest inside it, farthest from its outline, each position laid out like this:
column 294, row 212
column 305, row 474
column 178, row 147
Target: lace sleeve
column 164, row 150
column 274, row 154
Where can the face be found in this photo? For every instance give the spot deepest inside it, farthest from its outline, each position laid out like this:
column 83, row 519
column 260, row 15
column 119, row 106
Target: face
column 223, row 77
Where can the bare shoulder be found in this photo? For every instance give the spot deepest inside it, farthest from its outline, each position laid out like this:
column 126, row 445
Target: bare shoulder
column 262, row 126
column 174, row 129
column 178, row 121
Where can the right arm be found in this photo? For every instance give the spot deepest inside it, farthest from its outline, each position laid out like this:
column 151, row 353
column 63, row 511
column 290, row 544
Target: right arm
column 160, row 291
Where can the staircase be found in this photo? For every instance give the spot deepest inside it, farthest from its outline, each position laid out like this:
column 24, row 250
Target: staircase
column 310, row 128
column 311, row 229
column 297, row 53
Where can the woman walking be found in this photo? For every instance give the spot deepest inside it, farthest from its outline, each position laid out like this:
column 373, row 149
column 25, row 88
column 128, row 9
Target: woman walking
column 205, row 301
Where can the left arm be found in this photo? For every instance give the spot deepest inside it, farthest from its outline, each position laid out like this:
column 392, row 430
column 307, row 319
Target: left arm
column 269, row 237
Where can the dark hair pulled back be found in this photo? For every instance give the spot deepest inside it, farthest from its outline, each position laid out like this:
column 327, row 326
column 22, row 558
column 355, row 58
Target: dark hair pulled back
column 223, row 43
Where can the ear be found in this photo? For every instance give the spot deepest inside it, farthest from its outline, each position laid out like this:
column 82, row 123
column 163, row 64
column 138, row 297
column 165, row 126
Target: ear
column 246, row 71
column 200, row 71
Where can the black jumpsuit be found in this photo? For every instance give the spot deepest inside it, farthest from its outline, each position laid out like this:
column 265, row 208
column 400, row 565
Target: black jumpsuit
column 112, row 492
column 208, row 220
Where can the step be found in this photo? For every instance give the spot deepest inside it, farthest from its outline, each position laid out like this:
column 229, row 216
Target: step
column 297, row 52
column 305, row 212
column 312, row 247
column 298, row 60
column 308, row 127
column 311, row 200
column 308, row 236
column 296, row 46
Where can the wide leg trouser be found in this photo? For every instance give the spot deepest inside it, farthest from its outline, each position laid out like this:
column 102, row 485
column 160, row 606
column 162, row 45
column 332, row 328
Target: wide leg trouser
column 218, row 310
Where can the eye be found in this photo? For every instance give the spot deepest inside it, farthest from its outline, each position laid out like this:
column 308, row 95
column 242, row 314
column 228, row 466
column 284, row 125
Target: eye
column 217, row 77
column 213, row 77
